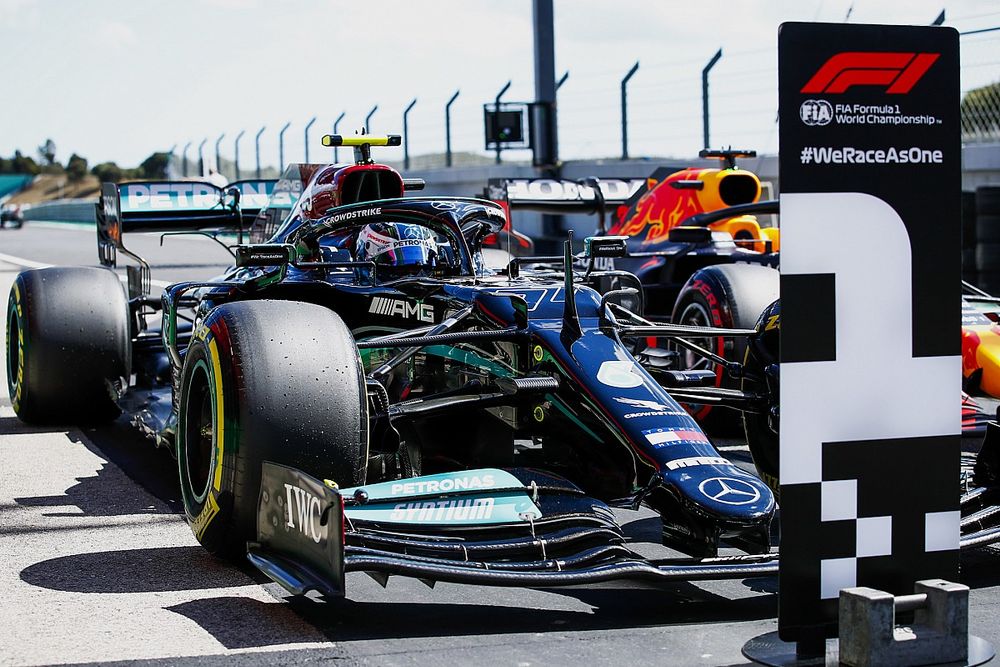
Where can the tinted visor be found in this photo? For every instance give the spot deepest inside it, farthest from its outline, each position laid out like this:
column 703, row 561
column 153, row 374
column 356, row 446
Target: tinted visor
column 417, row 254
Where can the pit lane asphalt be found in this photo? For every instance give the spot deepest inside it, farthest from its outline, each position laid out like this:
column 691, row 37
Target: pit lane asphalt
column 98, row 565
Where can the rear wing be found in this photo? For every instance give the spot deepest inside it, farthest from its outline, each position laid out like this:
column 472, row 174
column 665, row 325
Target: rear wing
column 173, row 206
column 560, row 195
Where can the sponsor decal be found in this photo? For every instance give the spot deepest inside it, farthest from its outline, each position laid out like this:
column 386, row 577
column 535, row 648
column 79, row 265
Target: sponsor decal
column 690, row 461
column 729, row 491
column 167, row 196
column 304, row 512
column 621, row 374
column 445, row 485
column 381, row 305
column 850, row 155
column 548, row 189
column 459, row 509
column 537, row 353
column 661, row 437
column 650, row 408
column 816, row 112
column 360, row 213
column 896, row 72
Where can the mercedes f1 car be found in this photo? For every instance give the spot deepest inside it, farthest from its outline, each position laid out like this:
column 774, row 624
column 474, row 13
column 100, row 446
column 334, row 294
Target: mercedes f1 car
column 360, row 392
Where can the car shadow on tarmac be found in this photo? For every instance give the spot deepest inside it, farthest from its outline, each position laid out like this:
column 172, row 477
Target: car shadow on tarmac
column 350, row 620
column 154, row 570
column 139, row 470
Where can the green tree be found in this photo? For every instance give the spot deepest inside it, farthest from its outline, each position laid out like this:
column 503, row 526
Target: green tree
column 76, row 167
column 155, row 166
column 24, row 164
column 107, row 172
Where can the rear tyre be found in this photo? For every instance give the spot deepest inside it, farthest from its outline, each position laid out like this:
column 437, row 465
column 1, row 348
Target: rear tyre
column 68, row 345
column 730, row 296
column 277, row 381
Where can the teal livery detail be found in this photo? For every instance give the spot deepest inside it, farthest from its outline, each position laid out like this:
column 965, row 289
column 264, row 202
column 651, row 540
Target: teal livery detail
column 439, row 505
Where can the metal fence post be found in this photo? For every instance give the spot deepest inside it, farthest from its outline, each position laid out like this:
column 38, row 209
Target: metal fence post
column 447, row 129
column 496, row 118
column 256, row 146
column 184, row 159
column 201, row 159
column 631, row 73
column 305, row 138
column 368, row 118
column 335, row 124
column 236, row 151
column 406, row 135
column 281, row 147
column 704, row 97
column 562, row 80
column 218, row 158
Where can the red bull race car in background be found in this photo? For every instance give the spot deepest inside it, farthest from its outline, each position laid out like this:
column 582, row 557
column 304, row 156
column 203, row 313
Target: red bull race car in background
column 698, row 245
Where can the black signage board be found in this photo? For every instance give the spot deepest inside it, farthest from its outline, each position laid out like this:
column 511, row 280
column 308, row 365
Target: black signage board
column 506, row 125
column 870, row 287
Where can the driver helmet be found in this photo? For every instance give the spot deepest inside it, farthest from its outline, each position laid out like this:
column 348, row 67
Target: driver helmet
column 397, row 249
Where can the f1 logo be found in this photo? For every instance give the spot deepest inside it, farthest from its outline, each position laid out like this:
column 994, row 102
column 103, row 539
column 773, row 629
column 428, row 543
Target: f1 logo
column 898, row 71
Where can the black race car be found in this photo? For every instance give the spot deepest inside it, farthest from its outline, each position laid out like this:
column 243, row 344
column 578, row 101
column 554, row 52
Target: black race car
column 360, row 392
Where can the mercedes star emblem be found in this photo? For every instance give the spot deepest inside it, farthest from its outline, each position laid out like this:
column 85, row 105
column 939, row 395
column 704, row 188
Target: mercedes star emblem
column 729, row 491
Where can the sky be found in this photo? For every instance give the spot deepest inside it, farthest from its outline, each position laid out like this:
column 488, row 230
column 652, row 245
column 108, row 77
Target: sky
column 115, row 80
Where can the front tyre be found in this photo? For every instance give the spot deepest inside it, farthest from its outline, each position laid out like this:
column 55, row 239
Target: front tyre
column 731, row 296
column 276, row 381
column 68, row 345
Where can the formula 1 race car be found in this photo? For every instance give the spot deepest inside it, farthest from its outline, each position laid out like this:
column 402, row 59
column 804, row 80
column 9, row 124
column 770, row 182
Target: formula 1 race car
column 455, row 412
column 360, row 392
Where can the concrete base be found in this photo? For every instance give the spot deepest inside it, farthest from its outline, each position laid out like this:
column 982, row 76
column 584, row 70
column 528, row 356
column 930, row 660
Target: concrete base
column 769, row 649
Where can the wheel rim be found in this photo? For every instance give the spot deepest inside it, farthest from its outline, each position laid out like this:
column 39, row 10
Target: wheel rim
column 695, row 314
column 199, row 432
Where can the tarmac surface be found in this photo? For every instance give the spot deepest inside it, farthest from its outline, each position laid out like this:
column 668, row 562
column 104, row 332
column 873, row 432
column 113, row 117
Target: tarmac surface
column 97, row 564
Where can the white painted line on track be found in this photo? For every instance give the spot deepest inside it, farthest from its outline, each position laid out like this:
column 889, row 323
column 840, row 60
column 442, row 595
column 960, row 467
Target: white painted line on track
column 32, row 264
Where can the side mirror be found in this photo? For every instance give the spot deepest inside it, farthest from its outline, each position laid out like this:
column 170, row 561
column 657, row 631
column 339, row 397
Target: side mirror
column 605, row 246
column 264, row 254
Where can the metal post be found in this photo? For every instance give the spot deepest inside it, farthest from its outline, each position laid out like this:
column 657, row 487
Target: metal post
column 406, row 135
column 496, row 118
column 335, row 124
column 256, row 146
column 940, row 19
column 368, row 119
column 628, row 76
column 447, row 129
column 704, row 96
column 201, row 160
column 218, row 159
column 281, row 147
column 562, row 80
column 305, row 139
column 184, row 160
column 544, row 142
column 236, row 151
column 170, row 161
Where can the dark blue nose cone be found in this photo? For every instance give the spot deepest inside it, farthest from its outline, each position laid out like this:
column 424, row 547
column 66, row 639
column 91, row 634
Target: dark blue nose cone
column 724, row 492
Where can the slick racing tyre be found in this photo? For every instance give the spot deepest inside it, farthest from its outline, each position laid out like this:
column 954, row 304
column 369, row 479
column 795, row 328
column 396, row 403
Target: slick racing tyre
column 729, row 296
column 277, row 381
column 760, row 376
column 68, row 345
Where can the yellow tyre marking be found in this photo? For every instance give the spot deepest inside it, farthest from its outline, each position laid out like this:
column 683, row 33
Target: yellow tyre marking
column 220, row 429
column 208, row 513
column 19, row 377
